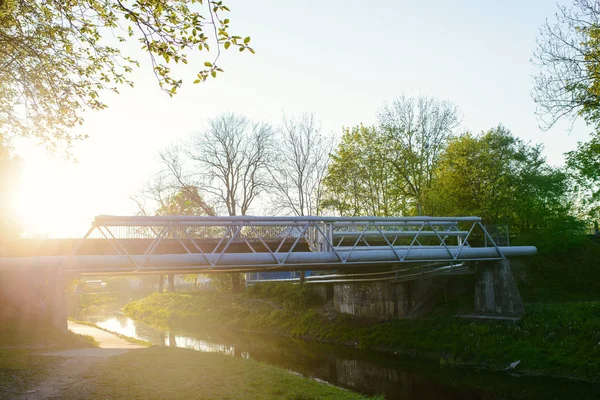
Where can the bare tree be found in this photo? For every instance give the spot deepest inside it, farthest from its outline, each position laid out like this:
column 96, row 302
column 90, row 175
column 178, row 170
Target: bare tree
column 231, row 159
column 568, row 55
column 299, row 166
column 170, row 191
column 418, row 130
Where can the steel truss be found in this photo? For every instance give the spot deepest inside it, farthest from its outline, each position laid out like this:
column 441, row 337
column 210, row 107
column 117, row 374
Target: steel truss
column 283, row 243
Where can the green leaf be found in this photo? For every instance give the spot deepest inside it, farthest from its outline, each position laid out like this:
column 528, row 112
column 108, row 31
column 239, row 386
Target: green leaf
column 207, row 64
column 247, row 40
column 214, row 74
column 227, row 44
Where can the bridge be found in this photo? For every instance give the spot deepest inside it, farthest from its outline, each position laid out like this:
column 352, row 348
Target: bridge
column 192, row 244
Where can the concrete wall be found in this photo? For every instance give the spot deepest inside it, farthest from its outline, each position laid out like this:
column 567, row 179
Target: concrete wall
column 34, row 296
column 376, row 299
column 397, row 300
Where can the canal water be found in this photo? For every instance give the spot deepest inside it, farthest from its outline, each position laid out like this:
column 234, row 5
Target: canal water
column 370, row 373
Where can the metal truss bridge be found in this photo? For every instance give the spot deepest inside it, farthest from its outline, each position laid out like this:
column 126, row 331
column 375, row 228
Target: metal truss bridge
column 193, row 244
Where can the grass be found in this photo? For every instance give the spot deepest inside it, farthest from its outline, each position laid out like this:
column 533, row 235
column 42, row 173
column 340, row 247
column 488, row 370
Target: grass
column 149, row 373
column 565, row 272
column 20, row 368
column 555, row 339
column 186, row 374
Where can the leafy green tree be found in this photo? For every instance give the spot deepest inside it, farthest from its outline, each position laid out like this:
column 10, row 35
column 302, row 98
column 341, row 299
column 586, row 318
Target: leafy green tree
column 584, row 164
column 416, row 131
column 360, row 180
column 498, row 177
column 187, row 201
column 57, row 57
column 568, row 56
column 568, row 85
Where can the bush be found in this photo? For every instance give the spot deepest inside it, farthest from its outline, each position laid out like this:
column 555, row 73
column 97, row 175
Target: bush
column 290, row 295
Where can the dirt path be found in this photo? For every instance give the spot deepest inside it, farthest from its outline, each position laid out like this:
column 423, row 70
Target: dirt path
column 105, row 339
column 71, row 373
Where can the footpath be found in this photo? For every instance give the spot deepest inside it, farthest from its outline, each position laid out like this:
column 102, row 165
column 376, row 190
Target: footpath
column 71, row 374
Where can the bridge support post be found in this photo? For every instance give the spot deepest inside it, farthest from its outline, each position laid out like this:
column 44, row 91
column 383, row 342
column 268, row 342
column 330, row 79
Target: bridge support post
column 496, row 292
column 171, row 278
column 161, row 283
column 58, row 307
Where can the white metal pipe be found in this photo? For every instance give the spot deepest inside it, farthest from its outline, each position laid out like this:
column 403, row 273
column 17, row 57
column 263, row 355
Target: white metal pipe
column 400, row 233
column 230, row 260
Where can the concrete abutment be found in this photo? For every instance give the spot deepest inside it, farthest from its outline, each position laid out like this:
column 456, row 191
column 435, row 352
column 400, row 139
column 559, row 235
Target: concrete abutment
column 496, row 292
column 494, row 287
column 35, row 296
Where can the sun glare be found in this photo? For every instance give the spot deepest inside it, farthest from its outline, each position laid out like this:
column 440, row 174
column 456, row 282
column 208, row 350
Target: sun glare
column 48, row 199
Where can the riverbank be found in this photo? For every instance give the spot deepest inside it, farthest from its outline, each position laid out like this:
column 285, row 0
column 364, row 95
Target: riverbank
column 559, row 334
column 70, row 366
column 552, row 339
column 186, row 374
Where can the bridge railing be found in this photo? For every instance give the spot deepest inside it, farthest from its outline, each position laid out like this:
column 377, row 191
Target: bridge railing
column 246, row 243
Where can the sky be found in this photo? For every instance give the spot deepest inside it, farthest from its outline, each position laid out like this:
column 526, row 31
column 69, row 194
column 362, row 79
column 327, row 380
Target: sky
column 342, row 60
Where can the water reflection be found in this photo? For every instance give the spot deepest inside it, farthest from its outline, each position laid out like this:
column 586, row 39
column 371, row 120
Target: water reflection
column 366, row 372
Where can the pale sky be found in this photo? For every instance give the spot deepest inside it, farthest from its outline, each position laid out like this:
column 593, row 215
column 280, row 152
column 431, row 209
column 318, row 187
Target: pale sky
column 342, row 60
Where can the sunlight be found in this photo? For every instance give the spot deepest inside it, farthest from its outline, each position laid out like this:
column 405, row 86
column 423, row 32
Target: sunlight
column 48, row 201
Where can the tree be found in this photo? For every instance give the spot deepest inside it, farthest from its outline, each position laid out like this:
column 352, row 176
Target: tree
column 56, row 57
column 231, row 159
column 360, row 179
column 10, row 168
column 417, row 129
column 568, row 55
column 298, row 167
column 168, row 197
column 584, row 165
column 226, row 164
column 498, row 177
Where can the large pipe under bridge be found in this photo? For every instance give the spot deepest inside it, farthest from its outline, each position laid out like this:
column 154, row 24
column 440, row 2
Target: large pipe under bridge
column 195, row 244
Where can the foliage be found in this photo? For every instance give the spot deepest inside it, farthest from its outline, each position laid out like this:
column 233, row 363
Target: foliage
column 288, row 294
column 387, row 169
column 57, row 57
column 187, row 201
column 584, row 164
column 360, row 180
column 416, row 131
column 564, row 270
column 568, row 55
column 298, row 166
column 498, row 177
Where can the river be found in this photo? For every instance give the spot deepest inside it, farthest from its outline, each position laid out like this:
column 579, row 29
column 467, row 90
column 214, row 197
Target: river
column 367, row 372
